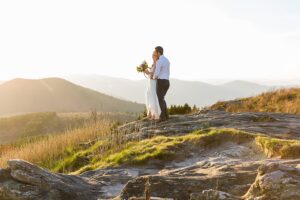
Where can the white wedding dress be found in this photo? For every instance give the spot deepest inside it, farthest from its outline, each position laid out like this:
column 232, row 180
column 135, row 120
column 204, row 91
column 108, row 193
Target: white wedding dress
column 152, row 104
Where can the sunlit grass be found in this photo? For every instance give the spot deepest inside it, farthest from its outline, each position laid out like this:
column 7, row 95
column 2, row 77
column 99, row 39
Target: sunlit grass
column 279, row 147
column 27, row 127
column 47, row 151
column 168, row 148
column 280, row 101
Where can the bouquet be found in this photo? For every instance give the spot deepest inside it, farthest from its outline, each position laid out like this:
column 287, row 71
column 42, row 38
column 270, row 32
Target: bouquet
column 142, row 67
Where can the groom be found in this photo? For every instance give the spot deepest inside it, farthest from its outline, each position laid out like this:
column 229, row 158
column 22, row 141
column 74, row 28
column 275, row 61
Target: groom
column 162, row 74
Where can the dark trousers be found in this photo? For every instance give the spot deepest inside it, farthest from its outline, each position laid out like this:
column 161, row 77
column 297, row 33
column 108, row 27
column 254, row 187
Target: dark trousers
column 162, row 87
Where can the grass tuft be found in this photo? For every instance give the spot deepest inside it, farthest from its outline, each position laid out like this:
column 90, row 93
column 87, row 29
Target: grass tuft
column 279, row 147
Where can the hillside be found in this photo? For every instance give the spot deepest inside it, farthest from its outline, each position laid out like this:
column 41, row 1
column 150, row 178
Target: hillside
column 27, row 127
column 57, row 95
column 205, row 156
column 244, row 88
column 280, row 101
column 181, row 91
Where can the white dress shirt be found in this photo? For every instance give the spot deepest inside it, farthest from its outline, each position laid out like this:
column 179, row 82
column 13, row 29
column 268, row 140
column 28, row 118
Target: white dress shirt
column 162, row 70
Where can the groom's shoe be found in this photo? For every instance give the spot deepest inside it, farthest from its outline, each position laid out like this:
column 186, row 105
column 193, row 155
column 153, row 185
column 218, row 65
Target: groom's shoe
column 161, row 120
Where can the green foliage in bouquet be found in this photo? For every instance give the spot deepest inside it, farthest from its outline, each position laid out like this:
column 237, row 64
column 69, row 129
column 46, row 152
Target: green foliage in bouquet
column 142, row 67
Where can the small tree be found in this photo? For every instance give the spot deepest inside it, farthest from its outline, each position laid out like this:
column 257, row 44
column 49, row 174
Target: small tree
column 179, row 110
column 195, row 109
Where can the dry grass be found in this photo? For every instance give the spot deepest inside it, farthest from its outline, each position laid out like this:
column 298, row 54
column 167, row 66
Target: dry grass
column 18, row 128
column 281, row 101
column 45, row 152
column 274, row 147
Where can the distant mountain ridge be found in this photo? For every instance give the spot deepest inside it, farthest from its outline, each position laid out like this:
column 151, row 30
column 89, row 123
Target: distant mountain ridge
column 55, row 94
column 181, row 91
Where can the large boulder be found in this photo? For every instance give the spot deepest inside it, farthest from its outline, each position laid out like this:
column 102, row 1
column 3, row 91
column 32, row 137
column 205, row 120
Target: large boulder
column 275, row 181
column 25, row 181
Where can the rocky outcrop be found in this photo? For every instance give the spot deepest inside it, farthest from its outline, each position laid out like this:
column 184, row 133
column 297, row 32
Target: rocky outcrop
column 204, row 181
column 217, row 180
column 231, row 170
column 274, row 124
column 25, row 181
column 275, row 181
column 212, row 195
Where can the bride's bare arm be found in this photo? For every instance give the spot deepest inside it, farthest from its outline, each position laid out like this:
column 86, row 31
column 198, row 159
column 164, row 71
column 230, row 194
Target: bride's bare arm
column 147, row 72
column 150, row 73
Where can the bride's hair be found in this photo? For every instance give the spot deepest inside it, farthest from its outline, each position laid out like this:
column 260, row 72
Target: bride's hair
column 160, row 50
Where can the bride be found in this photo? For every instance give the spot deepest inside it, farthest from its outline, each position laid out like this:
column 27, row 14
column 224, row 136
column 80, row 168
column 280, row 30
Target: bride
column 152, row 104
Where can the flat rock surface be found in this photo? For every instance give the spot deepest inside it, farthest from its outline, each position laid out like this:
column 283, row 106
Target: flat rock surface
column 273, row 124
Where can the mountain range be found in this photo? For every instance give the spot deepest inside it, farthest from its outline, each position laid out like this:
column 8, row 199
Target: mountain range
column 180, row 92
column 20, row 96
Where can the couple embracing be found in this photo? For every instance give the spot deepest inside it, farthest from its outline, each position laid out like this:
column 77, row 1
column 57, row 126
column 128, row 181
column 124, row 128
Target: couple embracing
column 157, row 86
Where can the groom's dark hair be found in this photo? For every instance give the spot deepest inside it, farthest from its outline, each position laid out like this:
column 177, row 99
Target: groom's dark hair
column 159, row 49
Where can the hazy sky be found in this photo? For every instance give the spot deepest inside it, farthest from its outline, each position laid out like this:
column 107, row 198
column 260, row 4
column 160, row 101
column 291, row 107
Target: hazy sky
column 213, row 39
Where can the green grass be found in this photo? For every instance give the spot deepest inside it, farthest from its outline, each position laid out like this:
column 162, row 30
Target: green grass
column 78, row 157
column 157, row 148
column 103, row 154
column 140, row 152
column 162, row 148
column 279, row 147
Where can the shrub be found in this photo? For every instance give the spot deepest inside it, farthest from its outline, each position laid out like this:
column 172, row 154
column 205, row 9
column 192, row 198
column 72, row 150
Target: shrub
column 181, row 110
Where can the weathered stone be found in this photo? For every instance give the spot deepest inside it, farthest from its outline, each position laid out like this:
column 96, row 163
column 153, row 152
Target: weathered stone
column 213, row 195
column 282, row 125
column 275, row 181
column 25, row 181
column 233, row 178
